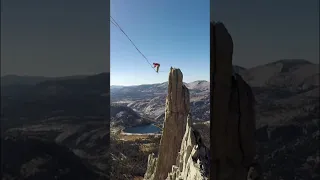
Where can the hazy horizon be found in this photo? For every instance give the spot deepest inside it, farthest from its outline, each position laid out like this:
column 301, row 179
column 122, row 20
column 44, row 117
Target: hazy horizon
column 154, row 83
column 21, row 75
column 92, row 74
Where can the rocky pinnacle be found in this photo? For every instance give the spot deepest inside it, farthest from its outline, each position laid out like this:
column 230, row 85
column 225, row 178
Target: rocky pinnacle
column 176, row 112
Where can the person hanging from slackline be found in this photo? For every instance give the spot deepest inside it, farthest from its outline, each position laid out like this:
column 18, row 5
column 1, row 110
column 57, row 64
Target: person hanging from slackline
column 157, row 66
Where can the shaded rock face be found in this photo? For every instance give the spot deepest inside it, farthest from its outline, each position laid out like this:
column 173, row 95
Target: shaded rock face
column 193, row 159
column 182, row 155
column 233, row 117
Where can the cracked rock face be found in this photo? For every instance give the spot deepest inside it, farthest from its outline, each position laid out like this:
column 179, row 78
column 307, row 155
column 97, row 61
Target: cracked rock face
column 182, row 154
column 193, row 159
column 233, row 125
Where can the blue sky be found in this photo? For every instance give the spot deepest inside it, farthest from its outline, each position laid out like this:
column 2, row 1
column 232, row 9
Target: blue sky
column 265, row 31
column 172, row 33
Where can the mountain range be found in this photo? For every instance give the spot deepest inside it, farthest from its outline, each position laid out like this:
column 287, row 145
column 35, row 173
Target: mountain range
column 287, row 111
column 275, row 80
column 74, row 112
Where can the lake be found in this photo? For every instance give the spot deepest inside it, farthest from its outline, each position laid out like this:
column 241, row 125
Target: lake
column 144, row 129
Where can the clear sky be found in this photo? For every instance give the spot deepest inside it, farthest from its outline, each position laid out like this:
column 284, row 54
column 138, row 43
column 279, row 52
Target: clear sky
column 54, row 38
column 170, row 32
column 269, row 30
